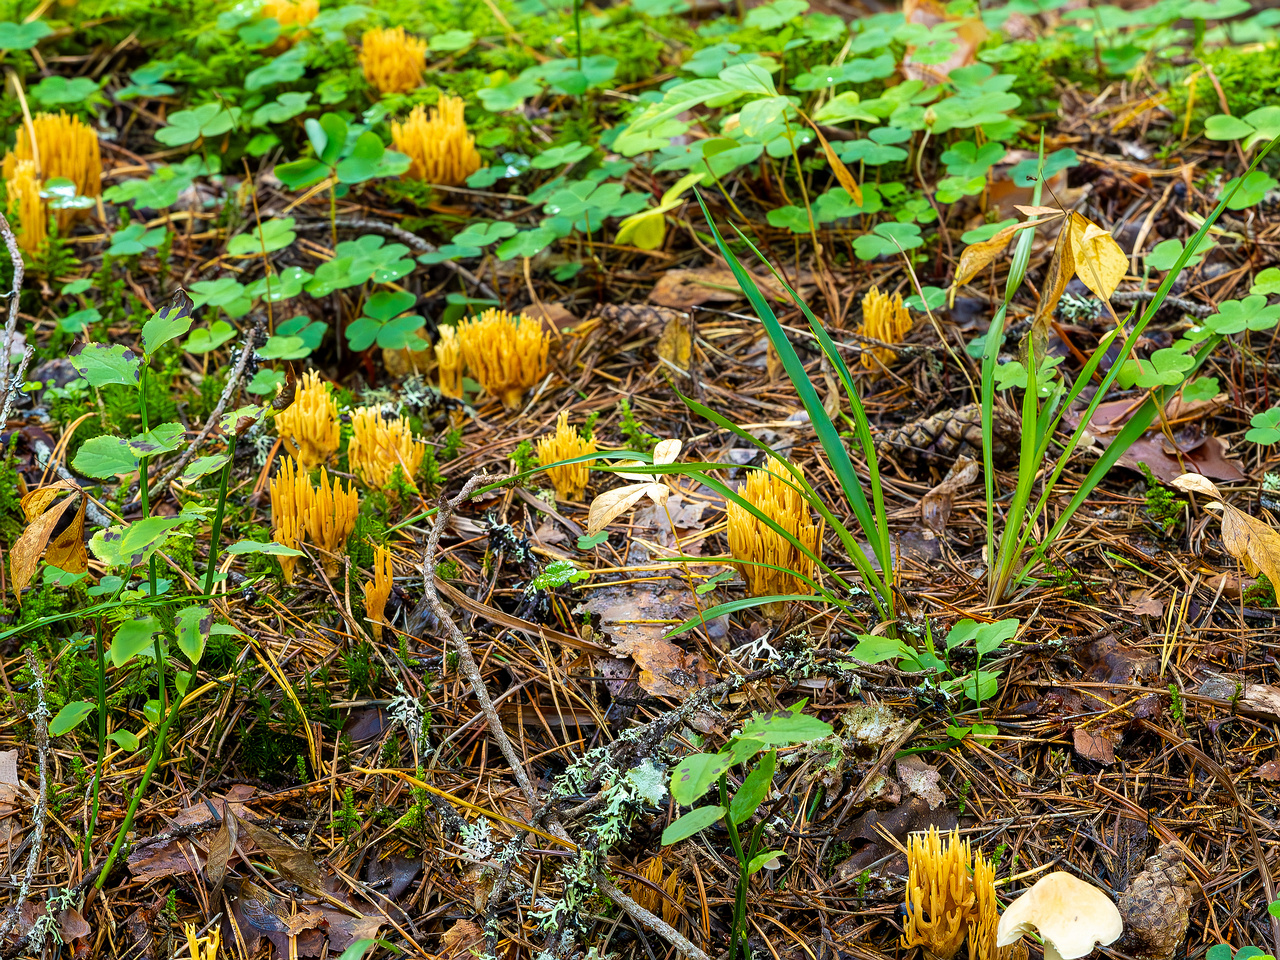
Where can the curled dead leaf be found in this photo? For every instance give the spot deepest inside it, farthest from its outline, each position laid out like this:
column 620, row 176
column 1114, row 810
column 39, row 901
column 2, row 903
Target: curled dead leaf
column 1099, row 262
column 25, row 555
column 1247, row 538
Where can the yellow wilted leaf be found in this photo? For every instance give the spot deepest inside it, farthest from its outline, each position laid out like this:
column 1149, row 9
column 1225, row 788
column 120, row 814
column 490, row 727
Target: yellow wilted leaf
column 611, row 504
column 843, row 174
column 28, row 548
column 1247, row 538
column 977, row 256
column 1099, row 262
column 66, row 550
column 648, row 228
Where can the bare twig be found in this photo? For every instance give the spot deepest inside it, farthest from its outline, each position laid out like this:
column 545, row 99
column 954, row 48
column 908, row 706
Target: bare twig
column 38, row 816
column 652, row 922
column 404, row 236
column 10, row 384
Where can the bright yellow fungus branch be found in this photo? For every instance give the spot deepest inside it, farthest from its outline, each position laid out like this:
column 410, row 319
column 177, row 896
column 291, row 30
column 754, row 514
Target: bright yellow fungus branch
column 571, row 480
column 378, row 446
column 310, row 425
column 23, row 189
column 754, row 542
column 392, row 61
column 439, row 148
column 940, row 897
column 65, row 148
column 884, row 319
column 449, row 356
column 330, row 517
column 287, row 528
column 289, row 13
column 506, row 354
column 378, row 590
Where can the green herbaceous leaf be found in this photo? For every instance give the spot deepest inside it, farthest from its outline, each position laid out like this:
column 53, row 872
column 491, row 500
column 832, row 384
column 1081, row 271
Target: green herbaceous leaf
column 786, row 726
column 69, row 716
column 1023, row 174
column 762, row 860
column 192, row 625
column 694, row 775
column 170, row 321
column 23, row 36
column 887, row 239
column 275, row 234
column 104, row 457
column 56, row 90
column 130, row 544
column 125, row 739
column 79, row 321
column 1267, row 282
column 692, row 822
column 270, row 548
column 967, row 159
column 451, row 41
column 369, row 159
column 374, row 259
column 988, row 636
column 207, row 120
column 1266, row 427
column 1236, row 316
column 876, row 649
column 564, row 76
column 1252, row 190
column 135, row 239
column 165, row 438
column 101, row 364
column 755, row 788
column 285, row 107
column 527, row 243
column 482, row 234
column 286, row 68
column 202, row 466
column 206, row 339
column 133, row 637
column 559, row 156
column 771, row 16
column 1166, row 253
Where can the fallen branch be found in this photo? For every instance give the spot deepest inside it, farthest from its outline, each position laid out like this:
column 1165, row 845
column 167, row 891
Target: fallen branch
column 11, row 384
column 40, row 814
column 651, row 921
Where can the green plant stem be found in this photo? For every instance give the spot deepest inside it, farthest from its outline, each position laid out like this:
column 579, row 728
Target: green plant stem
column 102, row 734
column 740, row 897
column 577, row 29
column 154, row 762
column 218, row 515
column 143, row 466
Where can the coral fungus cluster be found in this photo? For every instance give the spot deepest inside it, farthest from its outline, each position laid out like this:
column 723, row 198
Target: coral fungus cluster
column 506, row 354
column 392, row 60
column 324, row 515
column 885, row 319
column 571, row 479
column 63, row 148
column 379, row 445
column 309, row 425
column 439, row 148
column 773, row 492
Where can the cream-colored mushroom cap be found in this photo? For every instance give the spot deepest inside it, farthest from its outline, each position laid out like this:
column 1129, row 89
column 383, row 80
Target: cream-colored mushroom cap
column 1069, row 914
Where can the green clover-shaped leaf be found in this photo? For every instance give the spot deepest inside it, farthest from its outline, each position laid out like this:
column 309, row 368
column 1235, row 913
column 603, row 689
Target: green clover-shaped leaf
column 560, row 155
column 285, row 285
column 1252, row 190
column 1166, row 253
column 482, row 234
column 135, row 239
column 386, row 304
column 967, row 159
column 207, row 339
column 217, row 293
column 527, row 243
column 275, row 234
column 887, row 239
column 1236, row 316
column 285, row 107
column 1165, row 368
column 374, row 259
column 1267, row 282
column 23, row 36
column 188, row 126
column 286, row 68
column 55, row 90
column 1266, row 427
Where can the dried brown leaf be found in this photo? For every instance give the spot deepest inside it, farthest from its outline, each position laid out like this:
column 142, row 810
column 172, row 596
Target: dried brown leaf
column 1091, row 746
column 675, row 345
column 66, row 550
column 296, row 865
column 1099, row 262
column 842, row 172
column 28, row 548
column 220, row 850
column 935, row 506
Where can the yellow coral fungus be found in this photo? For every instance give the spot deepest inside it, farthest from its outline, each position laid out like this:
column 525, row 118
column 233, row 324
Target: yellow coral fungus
column 985, row 922
column 65, row 148
column 753, row 542
column 449, row 356
column 330, row 516
column 309, row 425
column 291, row 13
column 287, row 527
column 884, row 319
column 378, row 446
column 570, row 480
column 439, row 148
column 940, row 897
column 506, row 354
column 24, row 200
column 392, row 61
column 377, row 590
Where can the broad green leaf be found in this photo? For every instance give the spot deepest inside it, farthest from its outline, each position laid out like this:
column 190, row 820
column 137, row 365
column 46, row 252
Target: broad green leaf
column 201, row 466
column 104, row 457
column 275, row 234
column 786, row 726
column 207, row 339
column 133, row 637
column 165, row 438
column 876, row 649
column 23, row 36
column 126, row 740
column 102, row 363
column 130, row 544
column 170, row 321
column 69, row 716
column 755, row 788
column 762, row 860
column 192, row 625
column 695, row 820
column 694, row 775
column 270, row 548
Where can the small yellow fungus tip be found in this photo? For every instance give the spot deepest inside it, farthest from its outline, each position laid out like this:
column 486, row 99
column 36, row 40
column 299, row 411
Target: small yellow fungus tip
column 291, row 13
column 378, row 446
column 324, row 515
column 885, row 319
column 506, row 354
column 26, row 208
column 439, row 148
column 570, row 480
column 449, row 358
column 378, row 590
column 773, row 491
column 392, row 61
column 310, row 424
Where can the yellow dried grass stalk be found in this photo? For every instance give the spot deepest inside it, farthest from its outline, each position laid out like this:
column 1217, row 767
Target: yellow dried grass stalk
column 392, row 61
column 570, row 480
column 506, row 354
column 439, row 148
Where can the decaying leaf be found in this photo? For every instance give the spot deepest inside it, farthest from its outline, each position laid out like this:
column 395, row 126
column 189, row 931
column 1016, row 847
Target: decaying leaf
column 935, row 506
column 25, row 555
column 611, row 504
column 66, row 550
column 842, row 172
column 220, row 849
column 457, row 941
column 665, row 669
column 675, row 345
column 1247, row 538
column 1093, row 746
column 296, row 865
column 1099, row 262
column 1057, row 275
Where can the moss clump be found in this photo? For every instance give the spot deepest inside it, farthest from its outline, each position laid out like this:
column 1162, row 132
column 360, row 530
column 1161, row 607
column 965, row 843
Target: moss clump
column 1250, row 78
column 270, row 755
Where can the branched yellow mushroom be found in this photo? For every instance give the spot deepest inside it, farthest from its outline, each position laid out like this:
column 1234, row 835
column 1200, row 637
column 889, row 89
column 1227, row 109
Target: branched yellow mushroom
column 985, row 922
column 330, row 516
column 392, row 61
column 310, row 425
column 64, row 148
column 449, row 357
column 754, row 542
column 378, row 590
column 884, row 319
column 378, row 446
column 291, row 13
column 940, row 896
column 32, row 224
column 287, row 528
column 506, row 354
column 439, row 148
column 570, row 480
